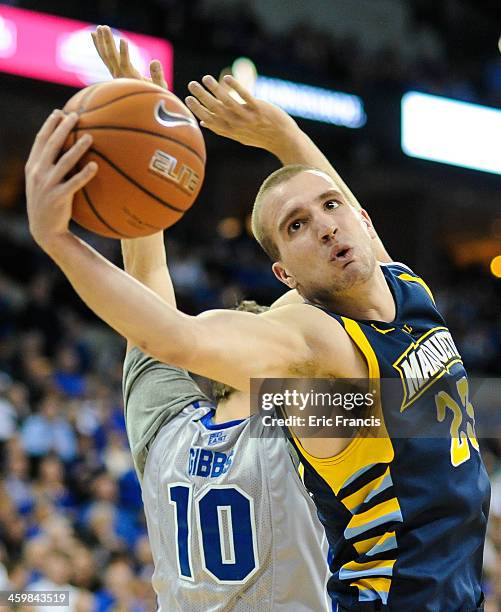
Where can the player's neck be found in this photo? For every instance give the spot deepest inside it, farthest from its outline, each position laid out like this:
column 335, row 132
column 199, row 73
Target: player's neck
column 232, row 408
column 371, row 300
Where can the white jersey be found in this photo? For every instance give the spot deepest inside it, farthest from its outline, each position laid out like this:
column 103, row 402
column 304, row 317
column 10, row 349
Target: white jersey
column 230, row 523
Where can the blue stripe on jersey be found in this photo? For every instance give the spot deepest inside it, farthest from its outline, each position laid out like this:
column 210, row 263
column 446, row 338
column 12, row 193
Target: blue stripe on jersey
column 356, row 474
column 368, row 595
column 388, row 544
column 352, row 532
column 345, row 574
column 206, row 420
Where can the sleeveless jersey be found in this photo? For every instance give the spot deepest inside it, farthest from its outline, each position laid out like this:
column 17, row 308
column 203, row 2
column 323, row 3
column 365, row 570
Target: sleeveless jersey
column 230, row 523
column 405, row 515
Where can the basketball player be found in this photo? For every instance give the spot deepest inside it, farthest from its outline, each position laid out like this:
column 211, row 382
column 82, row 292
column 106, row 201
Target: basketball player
column 215, row 496
column 394, row 508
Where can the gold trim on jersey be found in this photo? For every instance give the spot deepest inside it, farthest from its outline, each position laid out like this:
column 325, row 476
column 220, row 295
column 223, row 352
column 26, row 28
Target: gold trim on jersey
column 384, row 512
column 373, row 545
column 373, row 588
column 383, row 331
column 355, row 500
column 355, row 332
column 417, row 279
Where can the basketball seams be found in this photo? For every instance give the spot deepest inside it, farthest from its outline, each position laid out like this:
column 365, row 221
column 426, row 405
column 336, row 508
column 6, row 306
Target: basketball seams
column 133, row 173
column 141, row 131
column 123, row 97
column 99, row 217
column 92, row 90
column 136, row 184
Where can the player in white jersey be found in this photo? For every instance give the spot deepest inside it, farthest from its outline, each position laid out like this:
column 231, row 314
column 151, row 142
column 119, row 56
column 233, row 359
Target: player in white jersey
column 230, row 524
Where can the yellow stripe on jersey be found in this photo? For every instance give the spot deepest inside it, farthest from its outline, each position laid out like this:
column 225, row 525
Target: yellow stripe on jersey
column 370, row 589
column 365, row 493
column 355, row 332
column 383, row 331
column 343, row 470
column 363, row 452
column 385, row 512
column 416, row 279
column 354, row 569
column 377, row 544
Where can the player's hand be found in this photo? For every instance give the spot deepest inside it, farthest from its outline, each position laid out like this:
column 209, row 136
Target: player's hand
column 118, row 61
column 252, row 122
column 49, row 196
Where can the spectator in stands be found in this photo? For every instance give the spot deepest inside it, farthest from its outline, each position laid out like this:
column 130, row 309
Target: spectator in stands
column 49, row 430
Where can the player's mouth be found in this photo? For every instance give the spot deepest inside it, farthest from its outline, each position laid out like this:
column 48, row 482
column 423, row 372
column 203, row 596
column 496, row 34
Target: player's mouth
column 342, row 254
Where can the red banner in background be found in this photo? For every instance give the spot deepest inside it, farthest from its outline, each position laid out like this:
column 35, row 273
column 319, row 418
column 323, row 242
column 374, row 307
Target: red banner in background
column 60, row 50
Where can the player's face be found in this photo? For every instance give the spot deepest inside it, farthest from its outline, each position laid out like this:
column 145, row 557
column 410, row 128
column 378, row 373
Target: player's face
column 325, row 243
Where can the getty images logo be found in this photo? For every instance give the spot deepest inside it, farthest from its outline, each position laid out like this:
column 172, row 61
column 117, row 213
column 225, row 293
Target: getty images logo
column 169, row 119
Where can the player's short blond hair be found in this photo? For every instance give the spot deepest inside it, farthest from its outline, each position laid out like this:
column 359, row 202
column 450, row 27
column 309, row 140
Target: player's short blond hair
column 259, row 228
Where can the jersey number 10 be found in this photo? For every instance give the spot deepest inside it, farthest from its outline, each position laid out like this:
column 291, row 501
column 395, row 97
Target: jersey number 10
column 226, row 532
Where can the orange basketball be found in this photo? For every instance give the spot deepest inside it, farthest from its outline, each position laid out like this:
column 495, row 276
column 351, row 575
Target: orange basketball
column 151, row 157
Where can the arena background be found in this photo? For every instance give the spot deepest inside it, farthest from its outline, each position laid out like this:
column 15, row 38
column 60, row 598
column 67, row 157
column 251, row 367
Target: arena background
column 70, row 506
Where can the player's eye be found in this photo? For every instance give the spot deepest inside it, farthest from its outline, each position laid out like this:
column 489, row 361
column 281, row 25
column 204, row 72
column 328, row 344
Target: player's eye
column 295, row 226
column 331, row 204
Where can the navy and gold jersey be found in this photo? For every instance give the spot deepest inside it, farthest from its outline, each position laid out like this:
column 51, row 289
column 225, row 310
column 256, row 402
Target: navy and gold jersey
column 405, row 515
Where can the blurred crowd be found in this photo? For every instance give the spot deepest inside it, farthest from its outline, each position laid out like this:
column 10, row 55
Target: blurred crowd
column 71, row 512
column 71, row 515
column 444, row 43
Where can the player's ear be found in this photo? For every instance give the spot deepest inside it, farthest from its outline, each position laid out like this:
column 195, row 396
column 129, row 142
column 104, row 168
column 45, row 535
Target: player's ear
column 366, row 220
column 283, row 276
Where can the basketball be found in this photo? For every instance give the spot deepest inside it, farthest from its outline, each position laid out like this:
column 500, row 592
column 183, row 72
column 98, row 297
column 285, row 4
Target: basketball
column 151, row 157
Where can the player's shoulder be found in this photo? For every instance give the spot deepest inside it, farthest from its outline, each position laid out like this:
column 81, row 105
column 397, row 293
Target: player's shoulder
column 304, row 316
column 328, row 342
column 398, row 267
column 404, row 274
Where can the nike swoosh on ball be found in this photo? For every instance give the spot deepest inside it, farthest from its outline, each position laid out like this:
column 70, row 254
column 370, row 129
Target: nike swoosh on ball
column 169, row 119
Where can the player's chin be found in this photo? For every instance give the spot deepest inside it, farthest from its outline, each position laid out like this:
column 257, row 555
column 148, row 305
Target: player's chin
column 353, row 273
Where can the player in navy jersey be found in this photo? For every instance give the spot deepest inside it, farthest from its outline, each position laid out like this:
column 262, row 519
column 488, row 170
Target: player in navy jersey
column 404, row 533
column 405, row 516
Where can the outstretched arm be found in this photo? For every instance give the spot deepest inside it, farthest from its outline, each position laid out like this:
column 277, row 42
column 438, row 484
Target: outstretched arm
column 144, row 258
column 258, row 123
column 154, row 393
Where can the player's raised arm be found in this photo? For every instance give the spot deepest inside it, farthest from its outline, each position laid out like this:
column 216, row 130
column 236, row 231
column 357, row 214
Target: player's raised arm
column 260, row 124
column 224, row 345
column 144, row 258
column 256, row 123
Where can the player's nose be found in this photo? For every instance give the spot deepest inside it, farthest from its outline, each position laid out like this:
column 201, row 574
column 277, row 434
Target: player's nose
column 326, row 229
